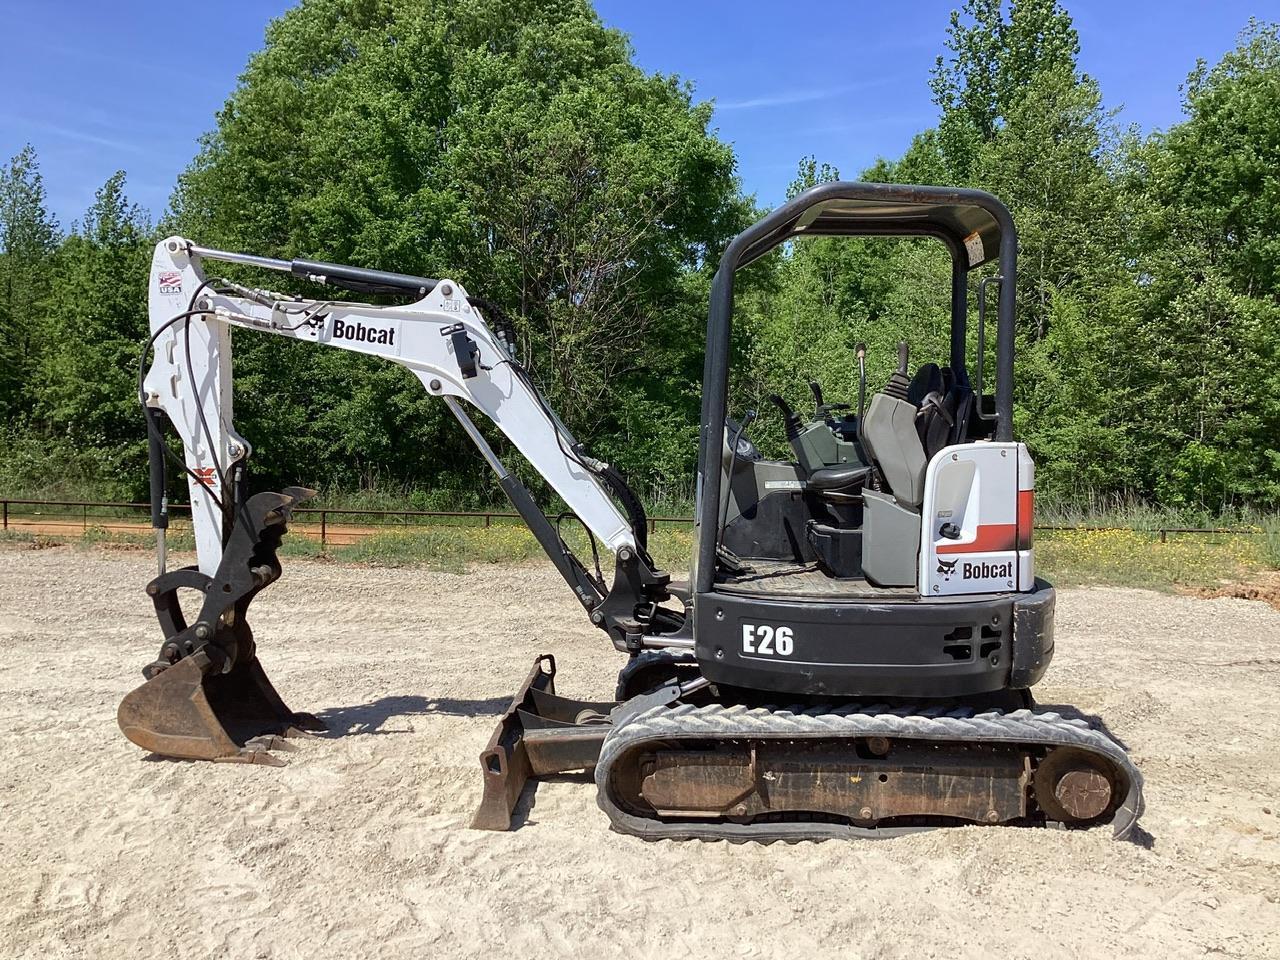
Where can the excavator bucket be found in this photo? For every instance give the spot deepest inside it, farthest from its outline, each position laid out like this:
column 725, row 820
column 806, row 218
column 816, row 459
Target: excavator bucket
column 190, row 712
column 207, row 696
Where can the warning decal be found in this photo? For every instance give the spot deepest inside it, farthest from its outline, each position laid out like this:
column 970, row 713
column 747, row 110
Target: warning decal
column 973, row 244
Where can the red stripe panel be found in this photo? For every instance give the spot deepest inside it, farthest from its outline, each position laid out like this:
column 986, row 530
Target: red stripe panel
column 991, row 537
column 1026, row 517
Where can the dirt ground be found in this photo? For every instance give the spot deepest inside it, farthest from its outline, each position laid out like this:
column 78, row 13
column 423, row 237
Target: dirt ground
column 360, row 847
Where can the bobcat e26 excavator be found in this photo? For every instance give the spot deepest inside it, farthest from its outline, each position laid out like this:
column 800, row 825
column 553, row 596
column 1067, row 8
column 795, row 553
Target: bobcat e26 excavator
column 853, row 652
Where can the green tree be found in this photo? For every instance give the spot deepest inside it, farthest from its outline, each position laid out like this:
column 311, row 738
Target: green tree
column 1208, row 195
column 97, row 321
column 510, row 145
column 28, row 239
column 1019, row 119
column 995, row 60
column 1016, row 118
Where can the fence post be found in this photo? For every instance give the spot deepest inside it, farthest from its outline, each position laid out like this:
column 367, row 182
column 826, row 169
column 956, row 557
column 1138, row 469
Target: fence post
column 85, row 514
column 324, row 516
column 487, row 518
column 6, row 515
column 1162, row 535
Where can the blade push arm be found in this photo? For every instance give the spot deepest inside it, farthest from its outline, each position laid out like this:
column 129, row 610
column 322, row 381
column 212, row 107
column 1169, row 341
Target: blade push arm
column 442, row 338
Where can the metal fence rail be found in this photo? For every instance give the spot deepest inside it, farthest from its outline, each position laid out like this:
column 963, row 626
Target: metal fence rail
column 329, row 526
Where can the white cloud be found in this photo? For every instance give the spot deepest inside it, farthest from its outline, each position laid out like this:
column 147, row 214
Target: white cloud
column 80, row 136
column 786, row 98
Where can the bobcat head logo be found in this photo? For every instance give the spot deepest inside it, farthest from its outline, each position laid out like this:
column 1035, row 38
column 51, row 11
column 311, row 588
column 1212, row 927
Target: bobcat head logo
column 947, row 568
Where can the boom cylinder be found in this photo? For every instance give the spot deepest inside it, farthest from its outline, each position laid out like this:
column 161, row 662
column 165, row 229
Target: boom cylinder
column 159, row 495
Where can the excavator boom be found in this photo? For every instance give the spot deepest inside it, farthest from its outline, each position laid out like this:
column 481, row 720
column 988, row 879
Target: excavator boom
column 207, row 695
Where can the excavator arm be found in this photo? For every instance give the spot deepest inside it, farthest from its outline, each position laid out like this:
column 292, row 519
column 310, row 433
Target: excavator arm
column 206, row 695
column 442, row 338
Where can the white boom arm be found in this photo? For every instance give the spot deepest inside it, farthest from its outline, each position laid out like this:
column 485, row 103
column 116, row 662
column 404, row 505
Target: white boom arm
column 196, row 393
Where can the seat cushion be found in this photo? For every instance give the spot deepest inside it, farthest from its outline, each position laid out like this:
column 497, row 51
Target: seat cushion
column 832, row 479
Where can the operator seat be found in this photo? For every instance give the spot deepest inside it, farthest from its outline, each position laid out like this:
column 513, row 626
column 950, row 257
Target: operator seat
column 890, row 437
column 938, row 419
column 943, row 419
column 838, row 483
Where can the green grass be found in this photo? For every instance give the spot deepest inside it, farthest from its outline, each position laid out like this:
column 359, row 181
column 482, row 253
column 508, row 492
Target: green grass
column 451, row 548
column 1134, row 556
column 1138, row 558
column 1132, row 513
column 1271, row 541
column 454, row 548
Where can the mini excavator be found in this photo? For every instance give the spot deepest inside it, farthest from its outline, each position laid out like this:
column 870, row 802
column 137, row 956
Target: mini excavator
column 853, row 652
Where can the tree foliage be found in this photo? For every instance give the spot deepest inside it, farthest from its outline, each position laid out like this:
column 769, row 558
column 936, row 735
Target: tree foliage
column 1209, row 264
column 510, row 145
column 88, row 393
column 28, row 239
column 1147, row 283
column 515, row 147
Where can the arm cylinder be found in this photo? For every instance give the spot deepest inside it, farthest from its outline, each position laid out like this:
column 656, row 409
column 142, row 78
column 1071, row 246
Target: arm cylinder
column 155, row 455
column 159, row 497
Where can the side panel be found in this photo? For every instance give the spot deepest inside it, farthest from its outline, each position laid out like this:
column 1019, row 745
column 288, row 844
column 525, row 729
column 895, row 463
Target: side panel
column 911, row 648
column 969, row 530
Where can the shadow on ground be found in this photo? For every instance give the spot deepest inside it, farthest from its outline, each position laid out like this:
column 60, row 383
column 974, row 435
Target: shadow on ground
column 369, row 718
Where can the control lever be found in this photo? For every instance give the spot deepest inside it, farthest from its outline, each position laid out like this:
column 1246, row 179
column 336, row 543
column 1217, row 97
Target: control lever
column 818, row 404
column 790, row 419
column 860, row 350
column 899, row 383
column 821, row 409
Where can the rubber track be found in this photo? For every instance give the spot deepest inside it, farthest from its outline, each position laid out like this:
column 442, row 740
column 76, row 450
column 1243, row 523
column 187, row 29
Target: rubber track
column 718, row 722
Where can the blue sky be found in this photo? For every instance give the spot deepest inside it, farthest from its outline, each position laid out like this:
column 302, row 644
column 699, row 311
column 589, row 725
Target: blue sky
column 99, row 86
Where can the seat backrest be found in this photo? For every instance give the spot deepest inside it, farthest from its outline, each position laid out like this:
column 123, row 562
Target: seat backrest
column 944, row 417
column 961, row 394
column 889, row 434
column 935, row 422
column 928, row 379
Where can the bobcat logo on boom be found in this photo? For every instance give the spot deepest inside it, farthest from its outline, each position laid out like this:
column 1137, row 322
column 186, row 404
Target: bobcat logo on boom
column 947, row 568
column 359, row 333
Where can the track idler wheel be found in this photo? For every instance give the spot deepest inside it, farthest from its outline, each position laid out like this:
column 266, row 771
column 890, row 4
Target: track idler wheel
column 1074, row 787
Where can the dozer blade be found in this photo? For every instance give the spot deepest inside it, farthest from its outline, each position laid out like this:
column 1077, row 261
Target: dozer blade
column 190, row 712
column 540, row 734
